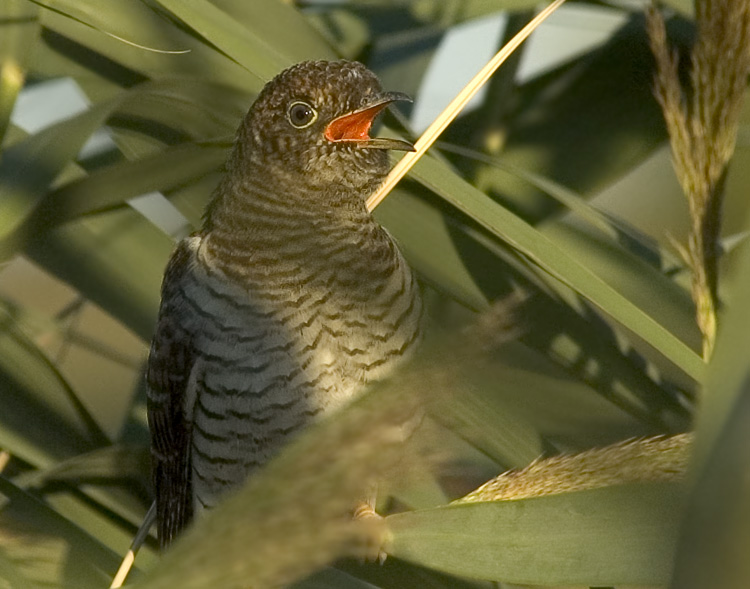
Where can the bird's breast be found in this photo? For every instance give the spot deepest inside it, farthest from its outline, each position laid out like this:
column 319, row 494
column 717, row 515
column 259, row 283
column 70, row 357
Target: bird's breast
column 274, row 351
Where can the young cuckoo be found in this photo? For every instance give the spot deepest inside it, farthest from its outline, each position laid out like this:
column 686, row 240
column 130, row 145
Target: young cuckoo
column 288, row 300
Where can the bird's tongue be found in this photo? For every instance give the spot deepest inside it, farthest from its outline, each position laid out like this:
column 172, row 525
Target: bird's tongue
column 353, row 126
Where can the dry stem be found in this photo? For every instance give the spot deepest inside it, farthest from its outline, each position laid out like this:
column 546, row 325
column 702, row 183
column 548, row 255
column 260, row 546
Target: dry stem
column 702, row 130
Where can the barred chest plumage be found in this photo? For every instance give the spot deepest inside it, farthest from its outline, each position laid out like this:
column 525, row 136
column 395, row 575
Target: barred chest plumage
column 288, row 300
column 271, row 352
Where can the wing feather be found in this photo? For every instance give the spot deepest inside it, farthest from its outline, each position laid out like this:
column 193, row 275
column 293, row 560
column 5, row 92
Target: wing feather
column 170, row 363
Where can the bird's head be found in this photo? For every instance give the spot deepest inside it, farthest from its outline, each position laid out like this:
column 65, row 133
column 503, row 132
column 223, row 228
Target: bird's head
column 313, row 121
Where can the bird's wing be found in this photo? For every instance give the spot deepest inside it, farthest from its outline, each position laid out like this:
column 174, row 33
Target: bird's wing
column 168, row 376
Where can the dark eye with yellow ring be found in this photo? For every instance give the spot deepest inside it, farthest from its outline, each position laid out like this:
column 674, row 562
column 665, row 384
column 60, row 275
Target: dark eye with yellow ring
column 301, row 114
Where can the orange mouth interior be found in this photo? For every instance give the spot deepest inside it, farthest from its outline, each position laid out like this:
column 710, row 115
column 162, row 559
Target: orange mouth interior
column 353, row 126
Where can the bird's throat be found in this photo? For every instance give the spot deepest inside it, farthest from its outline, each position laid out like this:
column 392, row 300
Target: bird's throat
column 250, row 225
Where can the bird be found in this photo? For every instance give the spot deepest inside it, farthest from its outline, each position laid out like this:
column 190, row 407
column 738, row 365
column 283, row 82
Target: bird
column 288, row 300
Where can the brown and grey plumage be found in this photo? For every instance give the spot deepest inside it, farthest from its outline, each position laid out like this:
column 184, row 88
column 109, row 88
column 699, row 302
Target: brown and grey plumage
column 290, row 297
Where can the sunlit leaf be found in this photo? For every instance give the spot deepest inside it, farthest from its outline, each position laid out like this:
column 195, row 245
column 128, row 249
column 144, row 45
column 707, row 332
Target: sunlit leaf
column 615, row 536
column 531, row 243
column 274, row 24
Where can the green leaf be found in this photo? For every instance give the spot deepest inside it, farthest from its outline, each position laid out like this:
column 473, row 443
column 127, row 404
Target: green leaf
column 567, row 412
column 344, row 30
column 456, row 11
column 427, row 243
column 28, row 168
column 124, row 23
column 446, row 254
column 651, row 290
column 278, row 37
column 112, row 186
column 551, row 259
column 127, row 65
column 612, row 536
column 716, row 535
column 568, row 124
column 19, row 30
column 109, row 465
column 330, row 578
column 280, row 26
column 115, row 259
column 397, row 574
column 36, row 393
column 11, row 572
column 95, row 562
column 183, row 108
column 481, row 416
column 606, row 224
column 686, row 7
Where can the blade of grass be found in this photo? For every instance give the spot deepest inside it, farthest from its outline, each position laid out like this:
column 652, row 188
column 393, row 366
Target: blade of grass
column 105, row 59
column 554, row 261
column 109, row 18
column 244, row 45
column 612, row 536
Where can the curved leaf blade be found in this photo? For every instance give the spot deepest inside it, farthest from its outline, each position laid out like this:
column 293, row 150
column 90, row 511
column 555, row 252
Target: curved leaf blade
column 553, row 260
column 612, row 536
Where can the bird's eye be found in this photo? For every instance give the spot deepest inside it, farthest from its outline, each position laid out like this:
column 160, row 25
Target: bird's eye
column 301, row 114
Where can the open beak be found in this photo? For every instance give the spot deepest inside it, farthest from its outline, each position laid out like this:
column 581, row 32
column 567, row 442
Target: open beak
column 354, row 127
